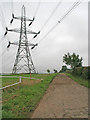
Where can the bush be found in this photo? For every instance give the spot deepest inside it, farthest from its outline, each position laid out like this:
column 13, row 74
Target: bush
column 68, row 71
column 78, row 71
column 55, row 71
column 85, row 73
column 64, row 68
column 82, row 71
column 89, row 72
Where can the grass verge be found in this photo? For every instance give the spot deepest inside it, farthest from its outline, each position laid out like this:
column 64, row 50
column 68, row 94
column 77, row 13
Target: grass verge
column 21, row 100
column 8, row 81
column 79, row 80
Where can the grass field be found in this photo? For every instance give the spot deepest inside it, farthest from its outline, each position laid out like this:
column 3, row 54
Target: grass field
column 79, row 79
column 8, row 81
column 20, row 100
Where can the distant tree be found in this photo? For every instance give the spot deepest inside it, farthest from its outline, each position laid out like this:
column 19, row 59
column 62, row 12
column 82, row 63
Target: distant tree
column 72, row 60
column 55, row 71
column 48, row 71
column 64, row 68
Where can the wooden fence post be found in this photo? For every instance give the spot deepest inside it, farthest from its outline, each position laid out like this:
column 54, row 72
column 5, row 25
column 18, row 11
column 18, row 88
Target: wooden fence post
column 20, row 79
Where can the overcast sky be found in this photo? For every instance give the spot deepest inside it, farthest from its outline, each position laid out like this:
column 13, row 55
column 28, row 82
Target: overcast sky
column 71, row 35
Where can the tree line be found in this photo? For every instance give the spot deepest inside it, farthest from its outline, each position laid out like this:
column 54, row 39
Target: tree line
column 72, row 60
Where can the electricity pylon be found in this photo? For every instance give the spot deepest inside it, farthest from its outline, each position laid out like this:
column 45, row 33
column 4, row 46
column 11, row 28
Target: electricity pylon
column 23, row 59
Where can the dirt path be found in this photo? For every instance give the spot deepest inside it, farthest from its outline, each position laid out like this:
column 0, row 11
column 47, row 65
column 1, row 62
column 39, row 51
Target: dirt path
column 63, row 99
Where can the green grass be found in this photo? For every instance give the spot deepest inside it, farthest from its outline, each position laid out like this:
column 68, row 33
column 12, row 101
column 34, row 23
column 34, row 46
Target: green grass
column 79, row 80
column 8, row 81
column 20, row 101
column 11, row 80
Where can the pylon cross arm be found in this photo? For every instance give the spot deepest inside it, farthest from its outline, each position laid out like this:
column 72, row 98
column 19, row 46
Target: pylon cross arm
column 26, row 18
column 14, row 30
column 18, row 30
column 31, row 32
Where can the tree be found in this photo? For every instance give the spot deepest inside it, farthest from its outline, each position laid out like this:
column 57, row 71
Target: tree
column 55, row 71
column 72, row 60
column 64, row 68
column 48, row 71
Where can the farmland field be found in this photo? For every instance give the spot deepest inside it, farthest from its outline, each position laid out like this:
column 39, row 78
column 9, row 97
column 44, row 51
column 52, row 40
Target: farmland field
column 19, row 101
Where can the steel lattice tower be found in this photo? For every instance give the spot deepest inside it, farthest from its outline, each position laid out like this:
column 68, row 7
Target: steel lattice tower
column 23, row 52
column 23, row 59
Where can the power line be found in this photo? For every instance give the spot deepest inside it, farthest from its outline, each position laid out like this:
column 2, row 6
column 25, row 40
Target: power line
column 10, row 56
column 73, row 7
column 10, row 62
column 37, row 8
column 36, row 11
column 49, row 32
column 52, row 13
column 12, row 6
column 2, row 18
column 3, row 52
column 67, row 13
column 3, row 22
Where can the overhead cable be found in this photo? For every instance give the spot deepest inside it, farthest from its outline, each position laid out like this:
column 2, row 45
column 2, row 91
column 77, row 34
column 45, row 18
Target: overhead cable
column 65, row 15
column 37, row 8
column 12, row 6
column 52, row 13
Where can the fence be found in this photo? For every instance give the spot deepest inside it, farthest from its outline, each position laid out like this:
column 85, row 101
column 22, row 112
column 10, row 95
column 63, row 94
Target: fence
column 20, row 80
column 11, row 84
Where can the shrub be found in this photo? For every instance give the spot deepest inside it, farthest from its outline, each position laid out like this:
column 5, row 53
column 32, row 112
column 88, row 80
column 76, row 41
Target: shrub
column 55, row 71
column 89, row 72
column 69, row 70
column 82, row 71
column 48, row 71
column 78, row 71
column 64, row 68
column 85, row 73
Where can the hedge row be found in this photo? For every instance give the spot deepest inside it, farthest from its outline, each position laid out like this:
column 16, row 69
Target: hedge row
column 82, row 71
